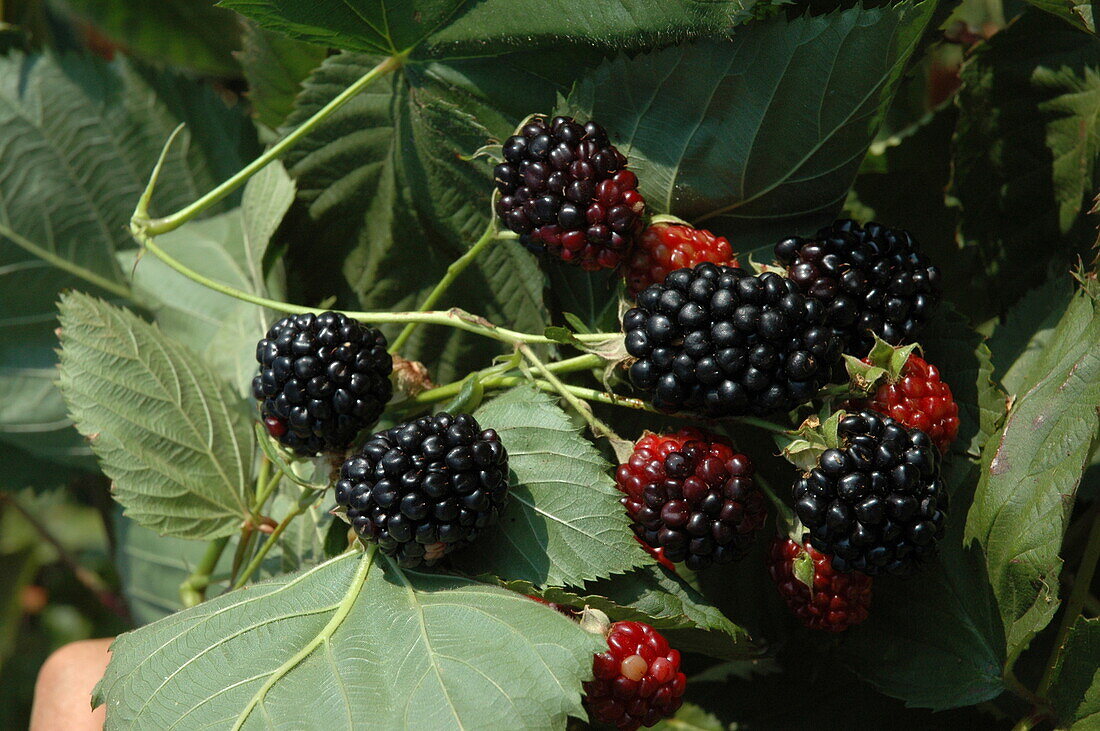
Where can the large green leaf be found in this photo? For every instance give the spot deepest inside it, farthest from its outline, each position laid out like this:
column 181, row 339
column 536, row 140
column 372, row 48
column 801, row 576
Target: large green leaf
column 390, row 201
column 359, row 644
column 229, row 248
column 563, row 523
column 1026, row 148
column 193, row 34
column 1075, row 691
column 275, row 67
column 79, row 140
column 761, row 135
column 1080, row 14
column 167, row 430
column 487, row 27
column 1031, row 471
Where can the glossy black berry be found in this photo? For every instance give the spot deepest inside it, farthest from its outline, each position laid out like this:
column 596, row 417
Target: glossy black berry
column 720, row 341
column 425, row 488
column 564, row 188
column 323, row 379
column 877, row 504
column 871, row 279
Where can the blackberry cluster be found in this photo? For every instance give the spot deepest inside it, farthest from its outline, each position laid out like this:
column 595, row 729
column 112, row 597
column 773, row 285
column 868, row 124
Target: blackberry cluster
column 564, row 188
column 637, row 681
column 691, row 497
column 718, row 340
column 323, row 379
column 877, row 505
column 834, row 603
column 425, row 488
column 872, row 279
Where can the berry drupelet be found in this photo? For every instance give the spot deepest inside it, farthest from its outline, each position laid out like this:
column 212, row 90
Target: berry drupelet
column 921, row 400
column 637, row 680
column 425, row 488
column 666, row 247
column 323, row 379
column 565, row 188
column 833, row 603
column 720, row 341
column 691, row 497
column 877, row 504
column 872, row 279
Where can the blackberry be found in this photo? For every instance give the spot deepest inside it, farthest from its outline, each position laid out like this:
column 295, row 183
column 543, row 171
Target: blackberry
column 833, row 602
column 918, row 398
column 872, row 279
column 877, row 504
column 323, row 379
column 564, row 188
column 720, row 341
column 637, row 680
column 425, row 488
column 691, row 497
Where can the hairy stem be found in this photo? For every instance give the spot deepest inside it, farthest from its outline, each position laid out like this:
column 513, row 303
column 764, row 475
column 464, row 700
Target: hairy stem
column 193, row 589
column 453, row 271
column 157, row 226
column 303, row 504
column 490, row 376
column 599, row 428
column 1074, row 604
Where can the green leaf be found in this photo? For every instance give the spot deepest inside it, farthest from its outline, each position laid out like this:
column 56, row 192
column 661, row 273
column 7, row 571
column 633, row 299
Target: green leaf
column 463, row 27
column 1075, row 691
column 229, row 248
column 79, row 140
column 1031, row 472
column 167, row 430
column 662, row 600
column 691, row 717
column 761, row 155
column 194, row 34
column 563, row 523
column 275, row 67
column 1019, row 340
column 390, row 202
column 363, row 645
column 1079, row 14
column 1026, row 148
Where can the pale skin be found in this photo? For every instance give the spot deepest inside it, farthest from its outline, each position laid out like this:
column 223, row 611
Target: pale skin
column 63, row 692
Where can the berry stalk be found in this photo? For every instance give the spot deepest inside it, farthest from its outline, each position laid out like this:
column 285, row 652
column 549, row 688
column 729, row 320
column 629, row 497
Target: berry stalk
column 453, row 271
column 193, row 589
column 599, row 427
column 304, row 502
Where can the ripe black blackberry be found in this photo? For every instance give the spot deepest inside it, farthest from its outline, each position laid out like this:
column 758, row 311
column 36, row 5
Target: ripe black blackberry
column 425, row 488
column 718, row 340
column 565, row 188
column 692, row 497
column 877, row 504
column 323, row 379
column 872, row 279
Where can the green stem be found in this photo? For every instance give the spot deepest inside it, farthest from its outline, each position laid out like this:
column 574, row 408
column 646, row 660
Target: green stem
column 244, row 545
column 343, row 609
column 456, row 268
column 487, row 375
column 193, row 589
column 783, row 512
column 307, row 499
column 157, row 226
column 115, row 288
column 1074, row 604
column 598, row 427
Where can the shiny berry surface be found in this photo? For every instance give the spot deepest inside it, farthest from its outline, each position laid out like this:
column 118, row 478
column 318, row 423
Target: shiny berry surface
column 637, row 680
column 666, row 247
column 921, row 400
column 425, row 488
column 565, row 189
column 834, row 603
column 691, row 497
column 322, row 379
column 722, row 342
column 877, row 505
column 872, row 279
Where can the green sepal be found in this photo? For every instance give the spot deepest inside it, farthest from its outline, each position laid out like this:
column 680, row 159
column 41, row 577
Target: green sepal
column 886, row 363
column 804, row 447
column 803, row 569
column 468, row 398
column 668, row 218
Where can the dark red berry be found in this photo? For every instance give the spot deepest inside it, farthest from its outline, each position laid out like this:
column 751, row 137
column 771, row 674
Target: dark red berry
column 666, row 247
column 692, row 497
column 919, row 399
column 833, row 603
column 637, row 680
column 275, row 426
column 564, row 189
